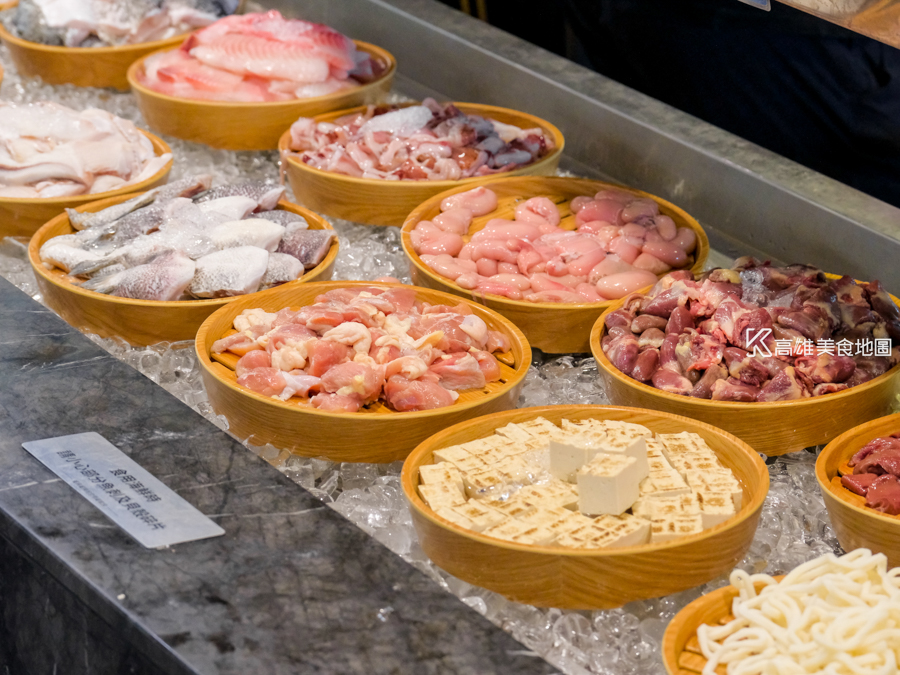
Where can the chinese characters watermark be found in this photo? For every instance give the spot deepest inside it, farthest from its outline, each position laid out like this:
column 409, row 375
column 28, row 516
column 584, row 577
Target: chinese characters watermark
column 758, row 345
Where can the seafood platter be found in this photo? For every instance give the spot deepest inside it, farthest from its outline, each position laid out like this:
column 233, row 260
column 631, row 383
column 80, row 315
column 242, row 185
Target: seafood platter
column 581, row 506
column 833, row 614
column 782, row 357
column 150, row 268
column 239, row 83
column 398, row 156
column 575, row 507
column 550, row 254
column 91, row 43
column 55, row 157
column 857, row 475
column 386, row 364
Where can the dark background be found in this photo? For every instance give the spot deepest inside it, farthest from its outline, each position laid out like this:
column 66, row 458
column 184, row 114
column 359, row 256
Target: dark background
column 800, row 86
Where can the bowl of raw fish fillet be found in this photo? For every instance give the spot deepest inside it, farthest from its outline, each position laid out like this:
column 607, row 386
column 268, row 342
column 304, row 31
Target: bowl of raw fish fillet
column 784, row 358
column 331, row 369
column 112, row 311
column 409, row 152
column 111, row 43
column 542, row 251
column 553, row 575
column 870, row 520
column 239, row 83
column 87, row 161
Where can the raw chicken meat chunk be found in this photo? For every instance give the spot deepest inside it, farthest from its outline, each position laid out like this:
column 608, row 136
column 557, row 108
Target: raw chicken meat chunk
column 357, row 346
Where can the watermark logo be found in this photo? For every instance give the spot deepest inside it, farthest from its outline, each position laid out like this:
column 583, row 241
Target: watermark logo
column 756, row 341
column 757, row 345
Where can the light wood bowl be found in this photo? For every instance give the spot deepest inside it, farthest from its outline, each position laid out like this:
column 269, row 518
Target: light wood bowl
column 680, row 650
column 553, row 576
column 773, row 429
column 81, row 66
column 374, row 434
column 249, row 126
column 388, row 202
column 552, row 327
column 22, row 217
column 856, row 525
column 140, row 322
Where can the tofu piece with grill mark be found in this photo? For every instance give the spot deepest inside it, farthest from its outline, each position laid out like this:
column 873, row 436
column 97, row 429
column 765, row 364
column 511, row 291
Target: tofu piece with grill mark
column 443, row 472
column 624, row 530
column 608, row 485
column 717, row 481
column 715, row 507
column 521, row 533
column 650, row 508
column 441, row 494
column 480, row 515
column 669, row 528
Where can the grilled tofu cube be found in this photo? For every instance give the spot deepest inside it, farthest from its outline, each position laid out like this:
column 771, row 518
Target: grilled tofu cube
column 567, row 456
column 453, row 454
column 624, row 530
column 444, row 472
column 450, row 513
column 521, row 533
column 650, row 508
column 608, row 485
column 673, row 527
column 480, row 515
column 441, row 494
column 486, row 484
column 715, row 507
column 722, row 480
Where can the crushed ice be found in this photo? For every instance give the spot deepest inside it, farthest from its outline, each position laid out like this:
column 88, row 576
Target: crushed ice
column 793, row 528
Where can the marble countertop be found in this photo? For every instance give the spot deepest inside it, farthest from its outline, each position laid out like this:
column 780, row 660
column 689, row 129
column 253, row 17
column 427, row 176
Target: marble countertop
column 291, row 587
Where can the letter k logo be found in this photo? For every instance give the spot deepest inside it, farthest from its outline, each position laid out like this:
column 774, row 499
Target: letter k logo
column 756, row 341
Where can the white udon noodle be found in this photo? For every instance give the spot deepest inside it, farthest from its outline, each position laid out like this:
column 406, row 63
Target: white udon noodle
column 832, row 615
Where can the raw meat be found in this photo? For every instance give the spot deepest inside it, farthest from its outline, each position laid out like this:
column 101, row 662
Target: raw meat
column 360, row 345
column 421, row 142
column 224, row 229
column 48, row 150
column 533, row 258
column 755, row 333
column 259, row 57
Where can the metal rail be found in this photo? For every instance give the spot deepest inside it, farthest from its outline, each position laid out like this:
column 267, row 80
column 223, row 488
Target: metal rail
column 750, row 200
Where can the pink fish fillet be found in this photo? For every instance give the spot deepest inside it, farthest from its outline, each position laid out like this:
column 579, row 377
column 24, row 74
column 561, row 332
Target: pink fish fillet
column 256, row 55
column 319, row 40
column 176, row 74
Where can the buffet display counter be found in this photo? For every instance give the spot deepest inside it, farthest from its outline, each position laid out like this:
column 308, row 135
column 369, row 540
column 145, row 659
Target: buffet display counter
column 294, row 586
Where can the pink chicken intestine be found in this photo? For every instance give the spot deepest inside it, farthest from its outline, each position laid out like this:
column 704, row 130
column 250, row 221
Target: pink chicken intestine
column 428, row 141
column 355, row 346
column 622, row 243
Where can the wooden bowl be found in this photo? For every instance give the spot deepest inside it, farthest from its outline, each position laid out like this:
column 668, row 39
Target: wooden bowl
column 552, row 327
column 140, row 322
column 81, row 66
column 680, row 650
column 773, row 429
column 22, row 217
column 388, row 202
column 249, row 126
column 374, row 434
column 553, row 576
column 856, row 525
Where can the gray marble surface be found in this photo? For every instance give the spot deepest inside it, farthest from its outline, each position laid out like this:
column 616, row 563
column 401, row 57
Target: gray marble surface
column 292, row 586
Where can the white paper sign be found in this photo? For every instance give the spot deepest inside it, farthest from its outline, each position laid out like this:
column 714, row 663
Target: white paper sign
column 129, row 495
